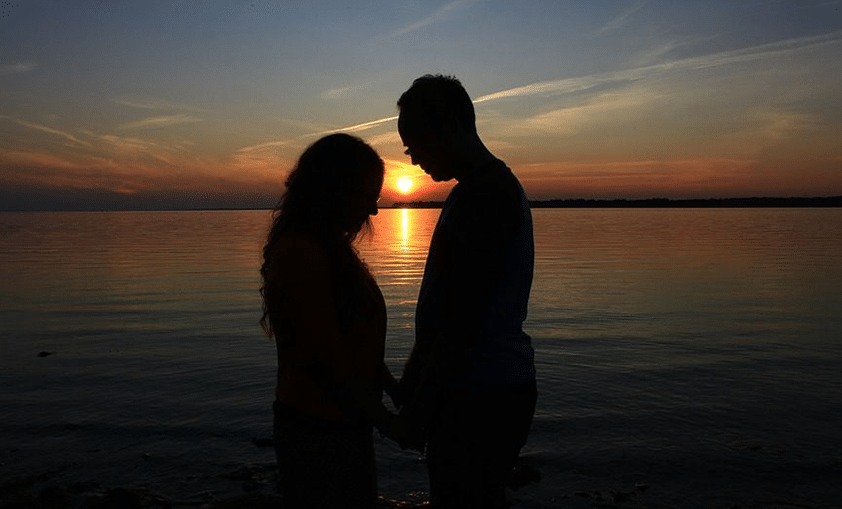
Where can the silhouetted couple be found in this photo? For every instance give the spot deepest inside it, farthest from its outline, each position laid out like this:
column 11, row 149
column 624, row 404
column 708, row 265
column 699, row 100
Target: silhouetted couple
column 467, row 394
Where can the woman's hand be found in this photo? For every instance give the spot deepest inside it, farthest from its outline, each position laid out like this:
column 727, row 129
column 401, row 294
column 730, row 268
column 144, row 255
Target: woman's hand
column 406, row 435
column 397, row 395
column 393, row 388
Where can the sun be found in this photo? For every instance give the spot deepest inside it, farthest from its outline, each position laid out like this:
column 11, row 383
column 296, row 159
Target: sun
column 404, row 184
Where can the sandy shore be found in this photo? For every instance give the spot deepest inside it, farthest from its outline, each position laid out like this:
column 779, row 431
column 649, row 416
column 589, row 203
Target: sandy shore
column 43, row 492
column 95, row 497
column 50, row 490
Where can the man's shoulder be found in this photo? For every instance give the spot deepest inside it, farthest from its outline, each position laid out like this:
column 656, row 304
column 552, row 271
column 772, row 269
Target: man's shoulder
column 491, row 204
column 494, row 171
column 496, row 184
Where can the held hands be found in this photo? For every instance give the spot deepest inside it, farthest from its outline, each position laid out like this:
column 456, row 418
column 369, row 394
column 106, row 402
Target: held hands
column 359, row 398
column 405, row 434
column 394, row 389
column 397, row 394
column 405, row 431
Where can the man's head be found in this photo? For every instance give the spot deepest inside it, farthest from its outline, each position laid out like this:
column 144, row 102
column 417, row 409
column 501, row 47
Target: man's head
column 436, row 120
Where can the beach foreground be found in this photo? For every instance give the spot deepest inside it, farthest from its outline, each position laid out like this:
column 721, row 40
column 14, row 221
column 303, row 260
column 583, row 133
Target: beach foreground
column 46, row 491
column 43, row 492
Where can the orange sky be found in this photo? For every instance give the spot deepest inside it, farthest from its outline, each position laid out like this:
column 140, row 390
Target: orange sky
column 154, row 106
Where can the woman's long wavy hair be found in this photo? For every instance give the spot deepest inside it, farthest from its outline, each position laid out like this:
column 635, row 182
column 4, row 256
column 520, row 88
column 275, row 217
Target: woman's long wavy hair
column 318, row 202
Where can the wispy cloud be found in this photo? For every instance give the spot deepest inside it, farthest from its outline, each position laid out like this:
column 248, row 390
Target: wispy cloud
column 128, row 145
column 657, row 53
column 37, row 160
column 359, row 83
column 160, row 121
column 557, row 87
column 156, row 104
column 18, row 68
column 643, row 178
column 340, row 92
column 305, row 125
column 622, row 19
column 49, row 130
column 762, row 52
column 630, row 167
column 368, row 125
column 582, row 83
column 766, row 128
column 345, row 91
column 347, row 129
column 354, row 128
column 384, row 139
column 598, row 110
column 782, row 125
column 261, row 159
column 264, row 146
column 442, row 14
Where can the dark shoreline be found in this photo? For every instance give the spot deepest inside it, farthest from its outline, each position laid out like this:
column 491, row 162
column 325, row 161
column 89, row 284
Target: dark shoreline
column 573, row 203
column 831, row 201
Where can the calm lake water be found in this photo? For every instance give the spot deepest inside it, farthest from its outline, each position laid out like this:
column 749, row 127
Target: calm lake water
column 693, row 351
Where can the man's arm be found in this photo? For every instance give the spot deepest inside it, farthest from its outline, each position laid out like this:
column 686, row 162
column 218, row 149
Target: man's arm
column 479, row 230
column 483, row 227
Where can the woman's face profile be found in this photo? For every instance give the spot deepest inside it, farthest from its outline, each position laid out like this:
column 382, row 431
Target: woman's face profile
column 364, row 200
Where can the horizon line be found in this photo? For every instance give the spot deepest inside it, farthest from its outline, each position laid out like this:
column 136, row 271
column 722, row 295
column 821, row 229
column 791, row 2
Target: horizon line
column 434, row 203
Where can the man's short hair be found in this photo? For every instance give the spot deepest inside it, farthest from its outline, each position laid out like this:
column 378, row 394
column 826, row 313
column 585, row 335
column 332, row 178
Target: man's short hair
column 438, row 100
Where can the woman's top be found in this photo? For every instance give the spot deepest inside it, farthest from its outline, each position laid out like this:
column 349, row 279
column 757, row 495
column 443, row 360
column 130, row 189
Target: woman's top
column 330, row 329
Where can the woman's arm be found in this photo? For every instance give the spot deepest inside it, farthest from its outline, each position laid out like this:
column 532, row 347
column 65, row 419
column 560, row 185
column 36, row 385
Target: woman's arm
column 315, row 329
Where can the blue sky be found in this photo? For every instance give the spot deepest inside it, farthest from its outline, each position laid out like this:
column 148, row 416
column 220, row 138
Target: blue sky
column 208, row 104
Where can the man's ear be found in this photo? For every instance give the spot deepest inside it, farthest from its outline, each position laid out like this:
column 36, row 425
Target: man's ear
column 452, row 134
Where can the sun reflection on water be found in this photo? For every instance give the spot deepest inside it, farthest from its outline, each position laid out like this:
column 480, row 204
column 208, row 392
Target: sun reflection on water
column 404, row 229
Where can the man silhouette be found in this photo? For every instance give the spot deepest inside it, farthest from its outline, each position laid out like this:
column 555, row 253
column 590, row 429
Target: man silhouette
column 469, row 383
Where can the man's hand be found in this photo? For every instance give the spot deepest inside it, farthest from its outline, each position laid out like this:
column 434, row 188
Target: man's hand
column 405, row 434
column 396, row 393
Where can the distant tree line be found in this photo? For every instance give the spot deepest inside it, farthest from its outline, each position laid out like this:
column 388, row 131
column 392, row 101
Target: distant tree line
column 832, row 201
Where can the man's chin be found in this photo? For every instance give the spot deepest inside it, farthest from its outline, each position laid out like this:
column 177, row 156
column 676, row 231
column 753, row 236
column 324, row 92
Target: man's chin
column 436, row 175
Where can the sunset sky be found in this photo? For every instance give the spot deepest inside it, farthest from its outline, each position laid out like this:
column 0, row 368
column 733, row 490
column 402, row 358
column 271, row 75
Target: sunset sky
column 189, row 104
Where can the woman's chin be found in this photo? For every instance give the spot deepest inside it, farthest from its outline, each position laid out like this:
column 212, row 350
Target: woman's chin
column 356, row 227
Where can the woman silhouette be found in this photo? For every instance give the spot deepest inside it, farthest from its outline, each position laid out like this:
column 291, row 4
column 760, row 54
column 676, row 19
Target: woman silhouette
column 328, row 318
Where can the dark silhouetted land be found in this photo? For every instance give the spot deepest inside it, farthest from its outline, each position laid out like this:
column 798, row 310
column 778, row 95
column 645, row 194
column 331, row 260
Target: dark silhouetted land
column 832, row 201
